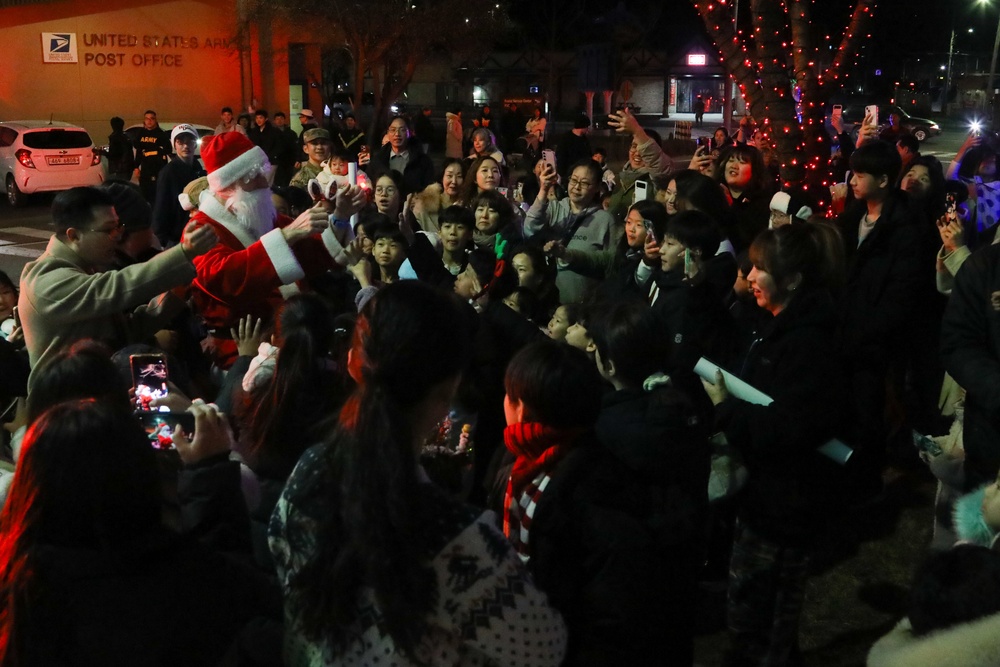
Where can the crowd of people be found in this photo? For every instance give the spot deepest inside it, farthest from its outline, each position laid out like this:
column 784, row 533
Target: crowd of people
column 457, row 414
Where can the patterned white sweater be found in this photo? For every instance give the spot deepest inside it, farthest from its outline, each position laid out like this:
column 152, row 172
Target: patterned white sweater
column 488, row 612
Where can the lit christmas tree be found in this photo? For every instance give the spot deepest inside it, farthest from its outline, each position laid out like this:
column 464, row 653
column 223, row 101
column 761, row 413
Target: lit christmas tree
column 782, row 53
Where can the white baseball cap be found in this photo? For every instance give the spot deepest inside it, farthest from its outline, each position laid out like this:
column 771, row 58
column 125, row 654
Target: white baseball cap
column 183, row 128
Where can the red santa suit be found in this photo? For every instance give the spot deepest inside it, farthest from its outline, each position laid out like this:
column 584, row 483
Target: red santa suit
column 245, row 275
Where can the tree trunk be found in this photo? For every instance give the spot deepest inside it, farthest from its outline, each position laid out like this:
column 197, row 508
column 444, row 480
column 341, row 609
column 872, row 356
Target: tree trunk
column 359, row 86
column 816, row 149
column 377, row 122
column 780, row 125
column 781, row 41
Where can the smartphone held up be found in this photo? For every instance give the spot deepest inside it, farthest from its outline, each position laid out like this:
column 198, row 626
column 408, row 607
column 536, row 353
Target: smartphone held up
column 161, row 427
column 149, row 378
column 871, row 112
column 650, row 232
column 950, row 207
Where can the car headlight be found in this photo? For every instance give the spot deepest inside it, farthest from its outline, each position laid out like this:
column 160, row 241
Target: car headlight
column 935, row 126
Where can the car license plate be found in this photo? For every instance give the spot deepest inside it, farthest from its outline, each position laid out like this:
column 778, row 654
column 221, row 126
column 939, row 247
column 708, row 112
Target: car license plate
column 65, row 159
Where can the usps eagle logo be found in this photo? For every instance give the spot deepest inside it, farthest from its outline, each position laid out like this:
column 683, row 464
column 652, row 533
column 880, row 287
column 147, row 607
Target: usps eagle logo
column 59, row 47
column 59, row 43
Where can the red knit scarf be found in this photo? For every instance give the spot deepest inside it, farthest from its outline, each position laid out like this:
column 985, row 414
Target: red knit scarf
column 538, row 448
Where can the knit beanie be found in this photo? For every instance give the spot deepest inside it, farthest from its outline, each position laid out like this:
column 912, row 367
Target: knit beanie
column 192, row 193
column 782, row 202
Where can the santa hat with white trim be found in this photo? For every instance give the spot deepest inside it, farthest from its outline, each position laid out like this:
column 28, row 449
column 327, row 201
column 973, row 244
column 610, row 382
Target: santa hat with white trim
column 230, row 157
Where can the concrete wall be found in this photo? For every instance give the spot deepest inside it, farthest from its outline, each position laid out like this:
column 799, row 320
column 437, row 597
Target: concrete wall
column 647, row 93
column 173, row 57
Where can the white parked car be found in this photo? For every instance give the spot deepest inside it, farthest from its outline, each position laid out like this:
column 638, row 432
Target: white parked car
column 45, row 156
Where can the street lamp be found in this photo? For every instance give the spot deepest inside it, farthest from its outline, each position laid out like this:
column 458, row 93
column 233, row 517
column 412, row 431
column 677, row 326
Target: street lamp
column 993, row 60
column 947, row 81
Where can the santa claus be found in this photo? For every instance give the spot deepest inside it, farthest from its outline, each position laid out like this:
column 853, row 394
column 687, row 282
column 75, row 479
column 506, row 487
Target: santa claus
column 260, row 255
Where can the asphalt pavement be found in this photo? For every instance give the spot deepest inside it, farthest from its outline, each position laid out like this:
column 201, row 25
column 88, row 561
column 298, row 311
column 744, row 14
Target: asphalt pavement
column 24, row 232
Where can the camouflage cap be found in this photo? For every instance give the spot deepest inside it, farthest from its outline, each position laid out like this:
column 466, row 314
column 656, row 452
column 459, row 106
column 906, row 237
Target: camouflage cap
column 316, row 134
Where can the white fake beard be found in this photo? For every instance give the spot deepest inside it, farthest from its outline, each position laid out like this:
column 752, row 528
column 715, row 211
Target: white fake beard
column 254, row 210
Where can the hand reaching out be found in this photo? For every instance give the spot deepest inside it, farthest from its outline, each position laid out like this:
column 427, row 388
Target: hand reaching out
column 868, row 131
column 971, row 141
column 405, row 217
column 624, row 122
column 198, row 238
column 416, row 205
column 311, row 221
column 358, row 263
column 247, row 336
column 702, row 160
column 546, row 180
column 837, row 123
column 350, row 199
column 354, row 252
column 363, row 272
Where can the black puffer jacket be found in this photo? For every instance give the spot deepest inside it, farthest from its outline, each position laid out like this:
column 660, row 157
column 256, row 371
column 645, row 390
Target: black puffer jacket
column 791, row 486
column 970, row 349
column 693, row 321
column 884, row 278
column 614, row 535
column 661, row 437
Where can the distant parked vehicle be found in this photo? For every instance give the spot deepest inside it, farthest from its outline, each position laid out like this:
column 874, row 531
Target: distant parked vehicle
column 46, row 156
column 921, row 128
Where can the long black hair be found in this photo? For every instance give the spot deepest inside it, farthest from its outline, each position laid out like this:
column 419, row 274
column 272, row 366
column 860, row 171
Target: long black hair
column 86, row 479
column 82, row 370
column 409, row 341
column 290, row 413
column 470, row 188
column 649, row 209
column 697, row 191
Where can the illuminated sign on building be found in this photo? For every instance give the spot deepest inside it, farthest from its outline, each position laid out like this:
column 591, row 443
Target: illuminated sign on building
column 59, row 47
column 696, row 59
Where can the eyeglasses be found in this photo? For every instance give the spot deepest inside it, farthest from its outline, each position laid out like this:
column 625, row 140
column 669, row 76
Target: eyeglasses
column 112, row 231
column 573, row 183
column 396, row 130
column 385, row 190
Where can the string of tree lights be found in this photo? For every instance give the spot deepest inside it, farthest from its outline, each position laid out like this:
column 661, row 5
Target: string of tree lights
column 784, row 47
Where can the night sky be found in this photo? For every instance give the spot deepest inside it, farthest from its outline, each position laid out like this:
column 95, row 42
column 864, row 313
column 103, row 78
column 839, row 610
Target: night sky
column 901, row 29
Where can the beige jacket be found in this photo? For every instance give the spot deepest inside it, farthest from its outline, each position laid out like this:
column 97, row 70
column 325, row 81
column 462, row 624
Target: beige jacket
column 61, row 301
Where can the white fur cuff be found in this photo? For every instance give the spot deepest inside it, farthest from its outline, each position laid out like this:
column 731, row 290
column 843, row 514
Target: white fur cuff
column 334, row 247
column 282, row 258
